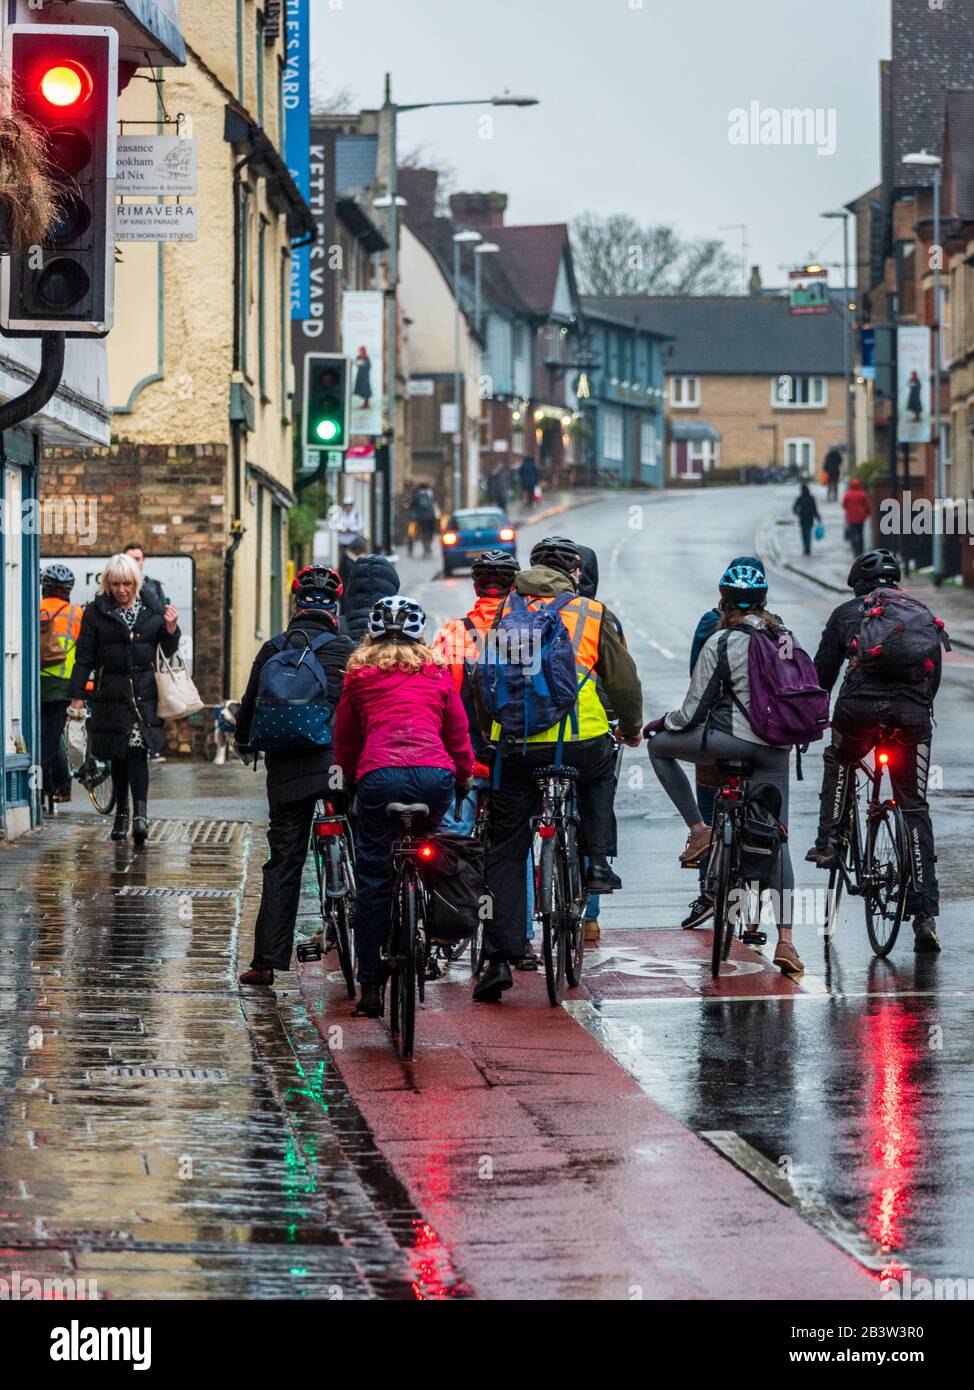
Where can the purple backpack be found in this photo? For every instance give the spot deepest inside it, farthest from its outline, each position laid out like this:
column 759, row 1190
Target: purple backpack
column 788, row 706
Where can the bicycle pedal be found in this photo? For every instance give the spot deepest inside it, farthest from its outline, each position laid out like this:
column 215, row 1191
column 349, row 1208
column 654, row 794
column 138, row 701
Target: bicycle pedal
column 754, row 938
column 309, row 951
column 433, row 971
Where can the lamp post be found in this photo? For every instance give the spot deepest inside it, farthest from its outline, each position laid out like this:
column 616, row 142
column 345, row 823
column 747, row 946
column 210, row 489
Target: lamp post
column 926, row 160
column 390, row 111
column 848, row 305
column 467, row 238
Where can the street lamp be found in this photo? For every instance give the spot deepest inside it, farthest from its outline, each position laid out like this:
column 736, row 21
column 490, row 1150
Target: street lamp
column 391, row 112
column 925, row 160
column 467, row 238
column 850, row 440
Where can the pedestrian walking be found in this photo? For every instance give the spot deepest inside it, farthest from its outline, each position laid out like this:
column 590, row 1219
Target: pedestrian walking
column 423, row 513
column 400, row 735
column 370, row 578
column 151, row 593
column 60, row 629
column 118, row 641
column 832, row 468
column 529, row 479
column 297, row 775
column 857, row 508
column 349, row 529
column 806, row 510
column 497, row 491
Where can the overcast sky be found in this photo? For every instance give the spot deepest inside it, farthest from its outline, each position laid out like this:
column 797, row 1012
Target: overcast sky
column 636, row 98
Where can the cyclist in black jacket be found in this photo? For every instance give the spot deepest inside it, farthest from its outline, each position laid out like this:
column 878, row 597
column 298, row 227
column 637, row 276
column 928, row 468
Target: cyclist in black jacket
column 866, row 703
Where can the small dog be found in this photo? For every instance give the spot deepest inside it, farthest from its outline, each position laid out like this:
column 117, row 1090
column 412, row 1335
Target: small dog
column 225, row 718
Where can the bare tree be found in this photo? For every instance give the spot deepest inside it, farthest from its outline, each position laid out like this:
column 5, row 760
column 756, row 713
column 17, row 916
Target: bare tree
column 616, row 255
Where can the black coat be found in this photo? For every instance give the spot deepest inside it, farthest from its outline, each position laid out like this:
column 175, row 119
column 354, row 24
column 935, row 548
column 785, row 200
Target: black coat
column 123, row 662
column 371, row 577
column 806, row 509
column 307, row 771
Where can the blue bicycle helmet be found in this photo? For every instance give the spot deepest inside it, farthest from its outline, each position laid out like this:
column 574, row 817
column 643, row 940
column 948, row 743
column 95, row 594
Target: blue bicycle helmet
column 744, row 584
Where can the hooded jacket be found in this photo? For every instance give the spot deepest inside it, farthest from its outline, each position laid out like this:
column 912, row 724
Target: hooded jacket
column 614, row 667
column 371, row 577
column 723, row 660
column 855, row 503
column 401, row 719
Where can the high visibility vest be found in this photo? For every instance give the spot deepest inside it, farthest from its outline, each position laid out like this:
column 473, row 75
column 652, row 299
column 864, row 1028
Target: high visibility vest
column 455, row 643
column 65, row 624
column 583, row 618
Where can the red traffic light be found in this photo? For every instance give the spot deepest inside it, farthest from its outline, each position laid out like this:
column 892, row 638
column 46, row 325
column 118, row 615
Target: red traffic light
column 65, row 82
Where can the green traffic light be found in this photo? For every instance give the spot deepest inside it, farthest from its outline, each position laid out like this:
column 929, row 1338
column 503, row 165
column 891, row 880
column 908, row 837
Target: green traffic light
column 327, row 430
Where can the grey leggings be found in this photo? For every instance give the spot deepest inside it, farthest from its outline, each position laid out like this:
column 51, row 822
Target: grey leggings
column 771, row 769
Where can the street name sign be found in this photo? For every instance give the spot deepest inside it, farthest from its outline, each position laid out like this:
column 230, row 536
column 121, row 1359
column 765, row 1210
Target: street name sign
column 156, row 222
column 155, row 165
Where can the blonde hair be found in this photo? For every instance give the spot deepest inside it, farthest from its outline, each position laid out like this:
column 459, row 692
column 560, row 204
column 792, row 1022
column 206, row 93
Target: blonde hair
column 392, row 654
column 120, row 568
column 733, row 617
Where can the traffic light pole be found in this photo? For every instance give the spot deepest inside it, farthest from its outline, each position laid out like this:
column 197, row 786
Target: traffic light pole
column 21, row 408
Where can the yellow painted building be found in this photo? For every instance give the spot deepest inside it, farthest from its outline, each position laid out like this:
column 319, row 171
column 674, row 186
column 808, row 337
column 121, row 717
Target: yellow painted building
column 201, row 463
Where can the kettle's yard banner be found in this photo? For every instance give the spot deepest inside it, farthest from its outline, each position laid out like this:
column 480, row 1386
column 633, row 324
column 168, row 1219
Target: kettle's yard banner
column 297, row 138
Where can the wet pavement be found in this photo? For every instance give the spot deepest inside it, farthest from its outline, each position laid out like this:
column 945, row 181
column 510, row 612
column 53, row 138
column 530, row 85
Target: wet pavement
column 664, row 1135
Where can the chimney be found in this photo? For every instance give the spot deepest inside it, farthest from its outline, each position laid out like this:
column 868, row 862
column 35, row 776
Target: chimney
column 479, row 210
column 754, row 284
column 418, row 187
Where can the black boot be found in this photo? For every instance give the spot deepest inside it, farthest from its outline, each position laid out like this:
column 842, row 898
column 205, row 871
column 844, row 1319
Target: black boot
column 925, row 937
column 493, row 982
column 599, row 878
column 140, row 823
column 120, row 827
column 370, row 1002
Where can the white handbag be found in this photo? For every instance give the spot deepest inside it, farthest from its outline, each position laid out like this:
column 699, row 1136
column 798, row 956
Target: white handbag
column 176, row 695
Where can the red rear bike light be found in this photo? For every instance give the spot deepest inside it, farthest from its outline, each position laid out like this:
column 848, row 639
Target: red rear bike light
column 328, row 827
column 546, row 831
column 426, row 852
column 449, row 537
column 481, row 770
column 882, row 758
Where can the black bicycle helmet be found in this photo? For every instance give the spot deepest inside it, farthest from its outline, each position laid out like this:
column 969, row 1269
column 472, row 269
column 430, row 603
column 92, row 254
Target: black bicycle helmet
column 875, row 567
column 558, row 553
column 317, row 585
column 494, row 572
column 57, row 577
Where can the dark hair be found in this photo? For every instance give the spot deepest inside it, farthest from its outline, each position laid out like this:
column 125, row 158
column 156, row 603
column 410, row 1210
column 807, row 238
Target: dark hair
column 136, row 545
column 733, row 617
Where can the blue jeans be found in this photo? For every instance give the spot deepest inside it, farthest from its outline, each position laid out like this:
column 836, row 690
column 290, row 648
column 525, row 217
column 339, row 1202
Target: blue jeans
column 375, row 834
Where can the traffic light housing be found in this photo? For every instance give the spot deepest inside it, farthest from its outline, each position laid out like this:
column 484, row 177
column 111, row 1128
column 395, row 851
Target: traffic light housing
column 64, row 78
column 327, row 383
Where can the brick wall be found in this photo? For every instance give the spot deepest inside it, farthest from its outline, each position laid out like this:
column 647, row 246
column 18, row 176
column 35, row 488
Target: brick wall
column 736, row 405
column 172, row 499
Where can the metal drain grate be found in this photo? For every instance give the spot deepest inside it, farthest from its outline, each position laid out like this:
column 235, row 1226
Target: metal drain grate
column 143, row 892
column 167, row 1073
column 193, row 832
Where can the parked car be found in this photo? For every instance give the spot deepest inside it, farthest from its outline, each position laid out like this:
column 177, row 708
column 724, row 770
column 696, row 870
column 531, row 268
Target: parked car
column 469, row 533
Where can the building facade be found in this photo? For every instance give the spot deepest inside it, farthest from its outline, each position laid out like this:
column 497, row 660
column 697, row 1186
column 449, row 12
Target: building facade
column 620, row 397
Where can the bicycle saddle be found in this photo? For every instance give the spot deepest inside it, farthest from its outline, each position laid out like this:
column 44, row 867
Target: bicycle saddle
column 542, row 774
column 735, row 767
column 407, row 808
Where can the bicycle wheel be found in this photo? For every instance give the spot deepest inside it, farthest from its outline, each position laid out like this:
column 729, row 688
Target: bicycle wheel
column 553, row 927
column 885, row 877
column 341, row 908
column 102, row 797
column 574, row 924
column 404, row 983
column 721, row 876
column 477, row 949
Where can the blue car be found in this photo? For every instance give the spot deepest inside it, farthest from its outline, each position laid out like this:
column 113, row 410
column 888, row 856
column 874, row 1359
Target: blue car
column 469, row 533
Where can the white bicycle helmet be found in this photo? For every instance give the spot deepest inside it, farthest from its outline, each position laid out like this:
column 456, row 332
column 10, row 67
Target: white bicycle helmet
column 397, row 614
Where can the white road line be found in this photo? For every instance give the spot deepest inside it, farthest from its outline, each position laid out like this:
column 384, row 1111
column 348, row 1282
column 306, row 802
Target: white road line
column 628, row 1002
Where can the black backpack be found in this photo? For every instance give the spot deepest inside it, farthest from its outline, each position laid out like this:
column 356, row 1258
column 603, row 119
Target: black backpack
column 898, row 638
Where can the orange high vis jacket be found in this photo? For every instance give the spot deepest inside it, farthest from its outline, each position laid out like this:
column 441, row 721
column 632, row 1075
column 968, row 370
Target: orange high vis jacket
column 64, row 619
column 455, row 643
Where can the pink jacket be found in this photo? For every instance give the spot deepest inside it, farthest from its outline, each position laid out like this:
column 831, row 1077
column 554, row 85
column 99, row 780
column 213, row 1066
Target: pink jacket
column 400, row 719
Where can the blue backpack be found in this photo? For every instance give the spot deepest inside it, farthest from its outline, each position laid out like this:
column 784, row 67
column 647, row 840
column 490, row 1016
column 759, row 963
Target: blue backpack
column 292, row 710
column 525, row 679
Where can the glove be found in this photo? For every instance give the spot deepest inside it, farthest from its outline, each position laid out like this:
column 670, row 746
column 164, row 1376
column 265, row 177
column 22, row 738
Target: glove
column 655, row 726
column 463, row 788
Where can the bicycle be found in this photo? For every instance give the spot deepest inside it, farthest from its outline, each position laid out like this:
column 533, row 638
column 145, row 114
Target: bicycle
column 408, row 948
column 726, row 880
column 334, row 859
column 874, row 866
column 94, row 775
column 559, row 896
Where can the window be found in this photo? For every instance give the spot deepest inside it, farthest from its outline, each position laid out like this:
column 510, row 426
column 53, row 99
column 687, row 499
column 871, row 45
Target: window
column 259, row 588
column 684, row 392
column 13, row 670
column 244, row 286
column 798, row 392
column 703, row 455
column 522, row 360
column 260, row 68
column 261, row 310
column 647, row 441
column 800, row 453
column 277, row 568
column 612, row 436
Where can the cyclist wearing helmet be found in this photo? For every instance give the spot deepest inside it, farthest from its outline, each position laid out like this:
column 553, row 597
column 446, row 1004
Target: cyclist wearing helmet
column 400, row 735
column 60, row 628
column 864, row 704
column 710, row 725
column 296, row 779
column 556, row 567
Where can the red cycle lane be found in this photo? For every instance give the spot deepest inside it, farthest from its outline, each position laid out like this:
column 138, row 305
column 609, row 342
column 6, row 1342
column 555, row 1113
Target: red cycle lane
column 544, row 1168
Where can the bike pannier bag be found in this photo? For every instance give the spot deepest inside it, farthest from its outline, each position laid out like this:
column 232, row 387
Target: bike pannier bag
column 762, row 836
column 454, row 878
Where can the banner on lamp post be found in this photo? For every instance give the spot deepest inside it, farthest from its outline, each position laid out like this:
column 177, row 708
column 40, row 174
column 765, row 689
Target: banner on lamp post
column 297, row 139
column 913, row 384
column 362, row 338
